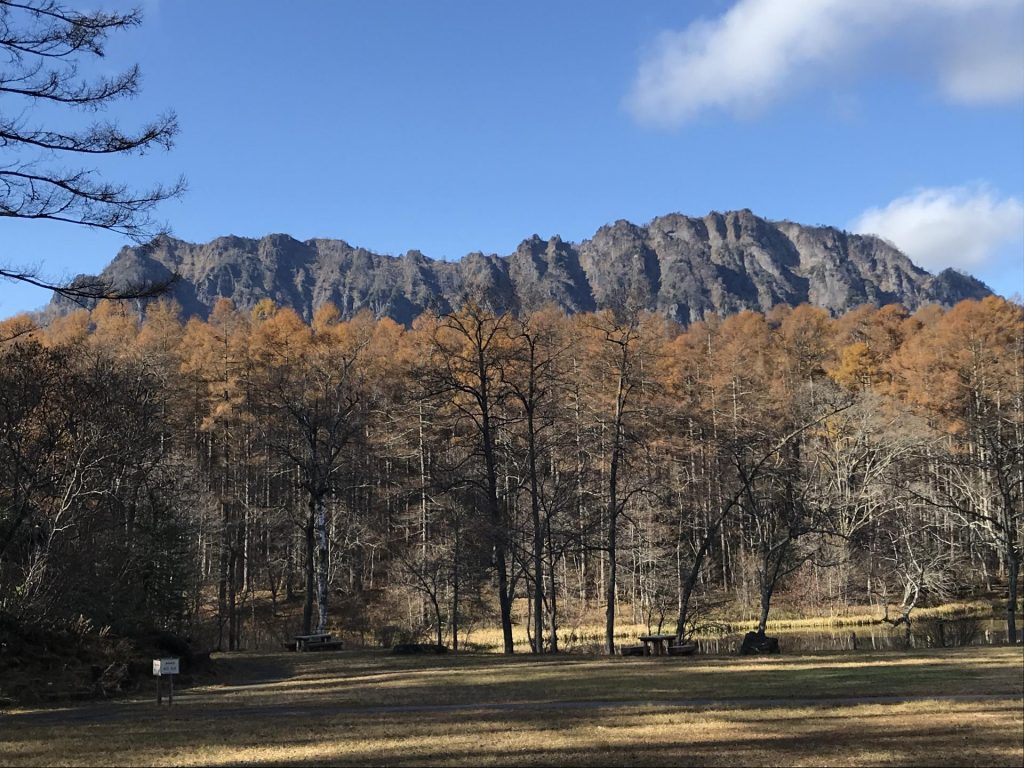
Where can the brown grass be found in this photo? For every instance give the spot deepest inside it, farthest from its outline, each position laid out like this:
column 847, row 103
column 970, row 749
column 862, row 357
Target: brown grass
column 590, row 632
column 920, row 733
column 312, row 709
column 379, row 679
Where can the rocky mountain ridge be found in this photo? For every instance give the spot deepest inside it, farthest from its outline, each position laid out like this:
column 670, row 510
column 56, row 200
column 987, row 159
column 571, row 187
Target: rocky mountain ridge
column 684, row 267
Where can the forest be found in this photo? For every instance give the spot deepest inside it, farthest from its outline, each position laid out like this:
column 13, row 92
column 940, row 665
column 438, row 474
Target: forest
column 480, row 469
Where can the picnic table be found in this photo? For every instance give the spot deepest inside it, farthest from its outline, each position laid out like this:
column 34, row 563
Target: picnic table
column 319, row 641
column 656, row 644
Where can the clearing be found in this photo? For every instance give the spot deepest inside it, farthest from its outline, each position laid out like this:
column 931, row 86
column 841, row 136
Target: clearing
column 952, row 707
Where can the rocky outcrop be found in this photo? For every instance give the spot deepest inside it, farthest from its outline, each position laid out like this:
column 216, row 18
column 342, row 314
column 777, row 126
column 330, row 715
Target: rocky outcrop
column 681, row 266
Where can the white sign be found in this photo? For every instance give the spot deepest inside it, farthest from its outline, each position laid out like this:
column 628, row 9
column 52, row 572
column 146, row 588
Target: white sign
column 165, row 666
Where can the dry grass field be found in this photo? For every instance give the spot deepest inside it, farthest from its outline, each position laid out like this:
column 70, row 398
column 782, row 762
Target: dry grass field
column 586, row 633
column 951, row 707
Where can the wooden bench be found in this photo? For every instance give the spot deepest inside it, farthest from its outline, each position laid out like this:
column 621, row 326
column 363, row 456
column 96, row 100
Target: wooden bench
column 656, row 645
column 327, row 645
column 320, row 641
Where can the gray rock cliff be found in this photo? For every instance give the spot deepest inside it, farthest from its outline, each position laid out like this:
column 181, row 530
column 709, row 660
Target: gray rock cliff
column 681, row 266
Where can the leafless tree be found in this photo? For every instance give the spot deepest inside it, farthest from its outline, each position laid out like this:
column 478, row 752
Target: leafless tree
column 42, row 175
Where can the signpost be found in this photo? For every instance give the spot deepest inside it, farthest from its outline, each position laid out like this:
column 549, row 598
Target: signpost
column 165, row 668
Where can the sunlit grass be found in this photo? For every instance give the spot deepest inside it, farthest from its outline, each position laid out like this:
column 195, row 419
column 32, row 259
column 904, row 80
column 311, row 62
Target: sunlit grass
column 865, row 617
column 589, row 636
column 378, row 679
column 288, row 708
column 918, row 733
column 211, row 730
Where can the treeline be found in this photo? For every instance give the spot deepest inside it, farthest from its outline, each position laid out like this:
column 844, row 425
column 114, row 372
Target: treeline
column 173, row 475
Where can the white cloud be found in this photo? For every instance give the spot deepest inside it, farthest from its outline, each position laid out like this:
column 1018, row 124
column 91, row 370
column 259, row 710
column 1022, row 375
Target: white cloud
column 987, row 68
column 760, row 50
column 962, row 227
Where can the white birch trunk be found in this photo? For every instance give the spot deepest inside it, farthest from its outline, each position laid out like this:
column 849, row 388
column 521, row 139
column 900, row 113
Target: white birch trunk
column 320, row 525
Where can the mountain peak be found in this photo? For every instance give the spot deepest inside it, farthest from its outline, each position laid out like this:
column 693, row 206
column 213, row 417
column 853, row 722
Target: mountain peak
column 684, row 267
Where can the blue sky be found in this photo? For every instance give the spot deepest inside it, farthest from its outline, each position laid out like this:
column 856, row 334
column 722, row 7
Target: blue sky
column 458, row 126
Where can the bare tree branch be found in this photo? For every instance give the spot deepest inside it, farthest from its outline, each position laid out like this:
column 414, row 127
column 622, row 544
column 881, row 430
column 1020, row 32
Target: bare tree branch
column 41, row 45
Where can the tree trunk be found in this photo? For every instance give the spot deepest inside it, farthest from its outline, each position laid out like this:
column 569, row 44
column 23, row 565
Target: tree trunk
column 307, row 607
column 457, row 553
column 289, row 585
column 222, row 587
column 1013, row 570
column 768, row 581
column 766, row 601
column 233, row 599
column 423, row 505
column 437, row 617
column 609, row 595
column 688, row 584
column 504, row 600
column 498, row 534
column 613, row 513
column 538, row 542
column 321, row 563
column 494, row 509
column 552, row 598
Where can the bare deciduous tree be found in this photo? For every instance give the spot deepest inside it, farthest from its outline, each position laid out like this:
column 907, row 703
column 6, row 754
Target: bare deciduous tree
column 42, row 176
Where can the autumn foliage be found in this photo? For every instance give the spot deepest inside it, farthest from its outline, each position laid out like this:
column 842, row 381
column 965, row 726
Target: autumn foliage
column 181, row 475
